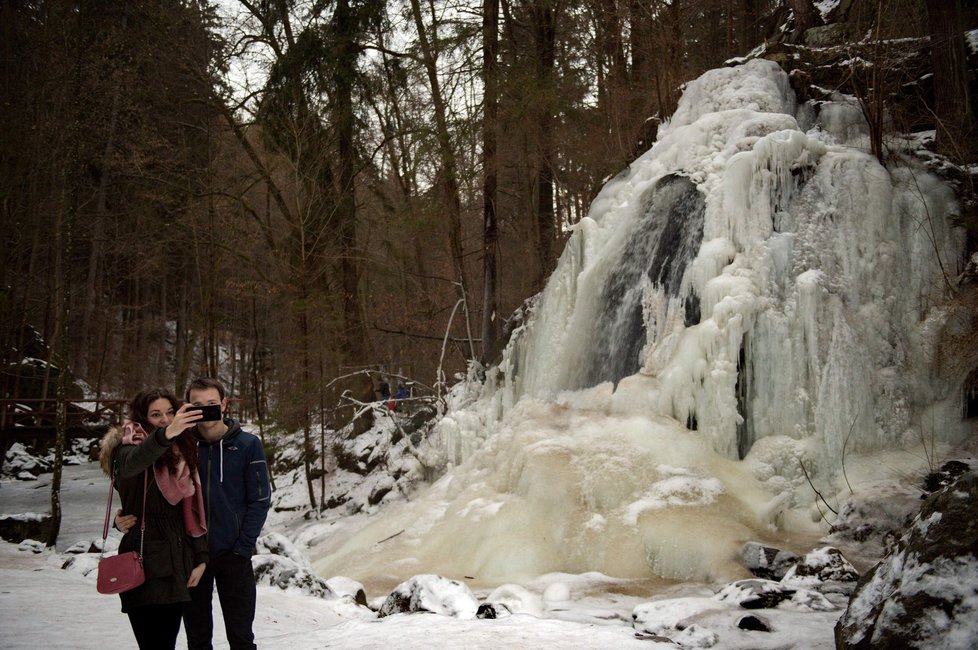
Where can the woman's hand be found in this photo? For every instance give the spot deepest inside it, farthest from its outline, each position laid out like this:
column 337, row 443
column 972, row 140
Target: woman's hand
column 195, row 575
column 124, row 522
column 182, row 420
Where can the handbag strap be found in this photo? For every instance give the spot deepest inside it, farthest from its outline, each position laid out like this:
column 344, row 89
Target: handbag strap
column 142, row 519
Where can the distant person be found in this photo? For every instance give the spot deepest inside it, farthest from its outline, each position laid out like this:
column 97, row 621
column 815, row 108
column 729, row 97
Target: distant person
column 237, row 495
column 174, row 547
column 401, row 394
column 385, row 393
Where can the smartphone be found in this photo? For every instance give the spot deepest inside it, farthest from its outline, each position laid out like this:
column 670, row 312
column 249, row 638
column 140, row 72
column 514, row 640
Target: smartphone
column 209, row 412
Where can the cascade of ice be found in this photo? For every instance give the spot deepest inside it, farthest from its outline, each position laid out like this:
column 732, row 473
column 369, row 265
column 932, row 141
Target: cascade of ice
column 647, row 280
column 750, row 295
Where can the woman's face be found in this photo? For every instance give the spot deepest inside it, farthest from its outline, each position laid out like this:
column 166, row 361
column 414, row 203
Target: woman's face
column 160, row 413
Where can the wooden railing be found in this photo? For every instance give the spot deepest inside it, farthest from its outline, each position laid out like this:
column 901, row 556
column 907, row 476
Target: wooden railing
column 32, row 419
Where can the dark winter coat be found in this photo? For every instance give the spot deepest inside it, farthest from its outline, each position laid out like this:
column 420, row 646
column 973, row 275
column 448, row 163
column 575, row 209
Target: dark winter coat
column 169, row 554
column 237, row 493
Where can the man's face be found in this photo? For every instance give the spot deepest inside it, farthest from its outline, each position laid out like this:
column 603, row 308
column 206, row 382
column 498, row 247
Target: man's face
column 203, row 397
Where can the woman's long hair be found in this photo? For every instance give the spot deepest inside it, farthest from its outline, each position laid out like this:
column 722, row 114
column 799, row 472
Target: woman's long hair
column 183, row 444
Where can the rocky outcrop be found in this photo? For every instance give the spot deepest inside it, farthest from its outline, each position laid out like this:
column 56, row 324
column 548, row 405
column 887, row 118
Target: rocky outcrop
column 925, row 593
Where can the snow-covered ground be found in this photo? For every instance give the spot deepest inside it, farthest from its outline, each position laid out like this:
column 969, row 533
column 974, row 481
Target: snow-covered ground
column 45, row 605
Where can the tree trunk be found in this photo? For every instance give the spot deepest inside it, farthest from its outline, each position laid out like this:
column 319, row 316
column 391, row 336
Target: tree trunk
column 955, row 123
column 805, row 17
column 748, row 25
column 344, row 71
column 544, row 37
column 490, row 233
column 449, row 178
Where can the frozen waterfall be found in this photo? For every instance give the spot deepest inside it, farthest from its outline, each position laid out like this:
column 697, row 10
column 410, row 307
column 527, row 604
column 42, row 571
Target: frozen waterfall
column 756, row 292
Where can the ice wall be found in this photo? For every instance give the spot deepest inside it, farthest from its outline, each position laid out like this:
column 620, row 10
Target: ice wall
column 805, row 310
column 746, row 297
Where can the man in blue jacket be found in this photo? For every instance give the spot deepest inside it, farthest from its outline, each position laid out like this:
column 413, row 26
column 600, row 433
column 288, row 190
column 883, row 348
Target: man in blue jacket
column 237, row 495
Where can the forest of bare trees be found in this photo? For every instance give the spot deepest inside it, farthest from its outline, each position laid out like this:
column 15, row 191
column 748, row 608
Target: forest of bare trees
column 283, row 192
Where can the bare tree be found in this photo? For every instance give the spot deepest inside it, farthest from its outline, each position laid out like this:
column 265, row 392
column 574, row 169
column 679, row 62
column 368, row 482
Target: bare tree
column 952, row 109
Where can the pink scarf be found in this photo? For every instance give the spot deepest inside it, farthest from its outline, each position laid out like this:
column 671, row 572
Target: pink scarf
column 176, row 485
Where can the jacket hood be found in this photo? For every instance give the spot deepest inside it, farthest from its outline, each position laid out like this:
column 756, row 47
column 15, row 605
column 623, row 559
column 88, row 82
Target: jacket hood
column 107, row 446
column 233, row 430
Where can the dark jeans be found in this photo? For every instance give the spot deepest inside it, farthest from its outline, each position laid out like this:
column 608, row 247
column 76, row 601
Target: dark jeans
column 156, row 626
column 235, row 581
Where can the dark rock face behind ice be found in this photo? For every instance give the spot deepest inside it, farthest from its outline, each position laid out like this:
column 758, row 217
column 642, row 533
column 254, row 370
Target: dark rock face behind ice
column 925, row 593
column 657, row 254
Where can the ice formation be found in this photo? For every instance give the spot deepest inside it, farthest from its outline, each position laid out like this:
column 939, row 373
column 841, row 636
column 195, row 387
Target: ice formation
column 754, row 295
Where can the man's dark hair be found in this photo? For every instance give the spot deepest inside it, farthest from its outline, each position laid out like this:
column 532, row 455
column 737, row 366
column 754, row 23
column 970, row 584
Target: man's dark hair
column 203, row 383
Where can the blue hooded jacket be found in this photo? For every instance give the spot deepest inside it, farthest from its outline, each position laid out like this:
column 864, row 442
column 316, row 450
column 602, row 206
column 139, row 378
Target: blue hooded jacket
column 237, row 493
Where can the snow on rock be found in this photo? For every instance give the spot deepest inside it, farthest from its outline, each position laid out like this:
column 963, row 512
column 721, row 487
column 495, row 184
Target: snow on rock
column 667, row 617
column 925, row 593
column 431, row 593
column 24, row 465
column 824, row 569
column 280, row 563
column 514, row 599
column 31, row 545
column 348, row 588
column 767, row 594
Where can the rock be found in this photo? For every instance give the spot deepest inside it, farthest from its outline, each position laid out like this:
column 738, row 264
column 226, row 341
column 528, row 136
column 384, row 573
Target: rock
column 655, row 638
column 27, row 526
column 824, row 569
column 695, row 636
column 277, row 544
column 348, row 587
column 767, row 594
column 767, row 562
column 280, row 571
column 78, row 548
column 666, row 617
column 943, row 477
column 755, row 594
column 557, row 592
column 754, row 624
column 31, row 545
column 487, row 610
column 431, row 593
column 379, row 492
column 514, row 599
column 925, row 593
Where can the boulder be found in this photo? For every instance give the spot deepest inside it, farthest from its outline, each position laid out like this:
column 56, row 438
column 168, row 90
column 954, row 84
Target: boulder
column 925, row 593
column 279, row 571
column 281, row 564
column 431, row 593
column 767, row 594
column 767, row 562
column 753, row 623
column 824, row 569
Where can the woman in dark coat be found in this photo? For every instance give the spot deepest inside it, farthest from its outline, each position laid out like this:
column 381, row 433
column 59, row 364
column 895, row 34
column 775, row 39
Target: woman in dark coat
column 153, row 444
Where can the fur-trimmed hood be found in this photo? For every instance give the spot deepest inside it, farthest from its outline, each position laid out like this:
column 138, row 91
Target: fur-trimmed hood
column 107, row 446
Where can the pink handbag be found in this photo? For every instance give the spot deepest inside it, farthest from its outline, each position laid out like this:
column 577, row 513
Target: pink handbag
column 122, row 572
